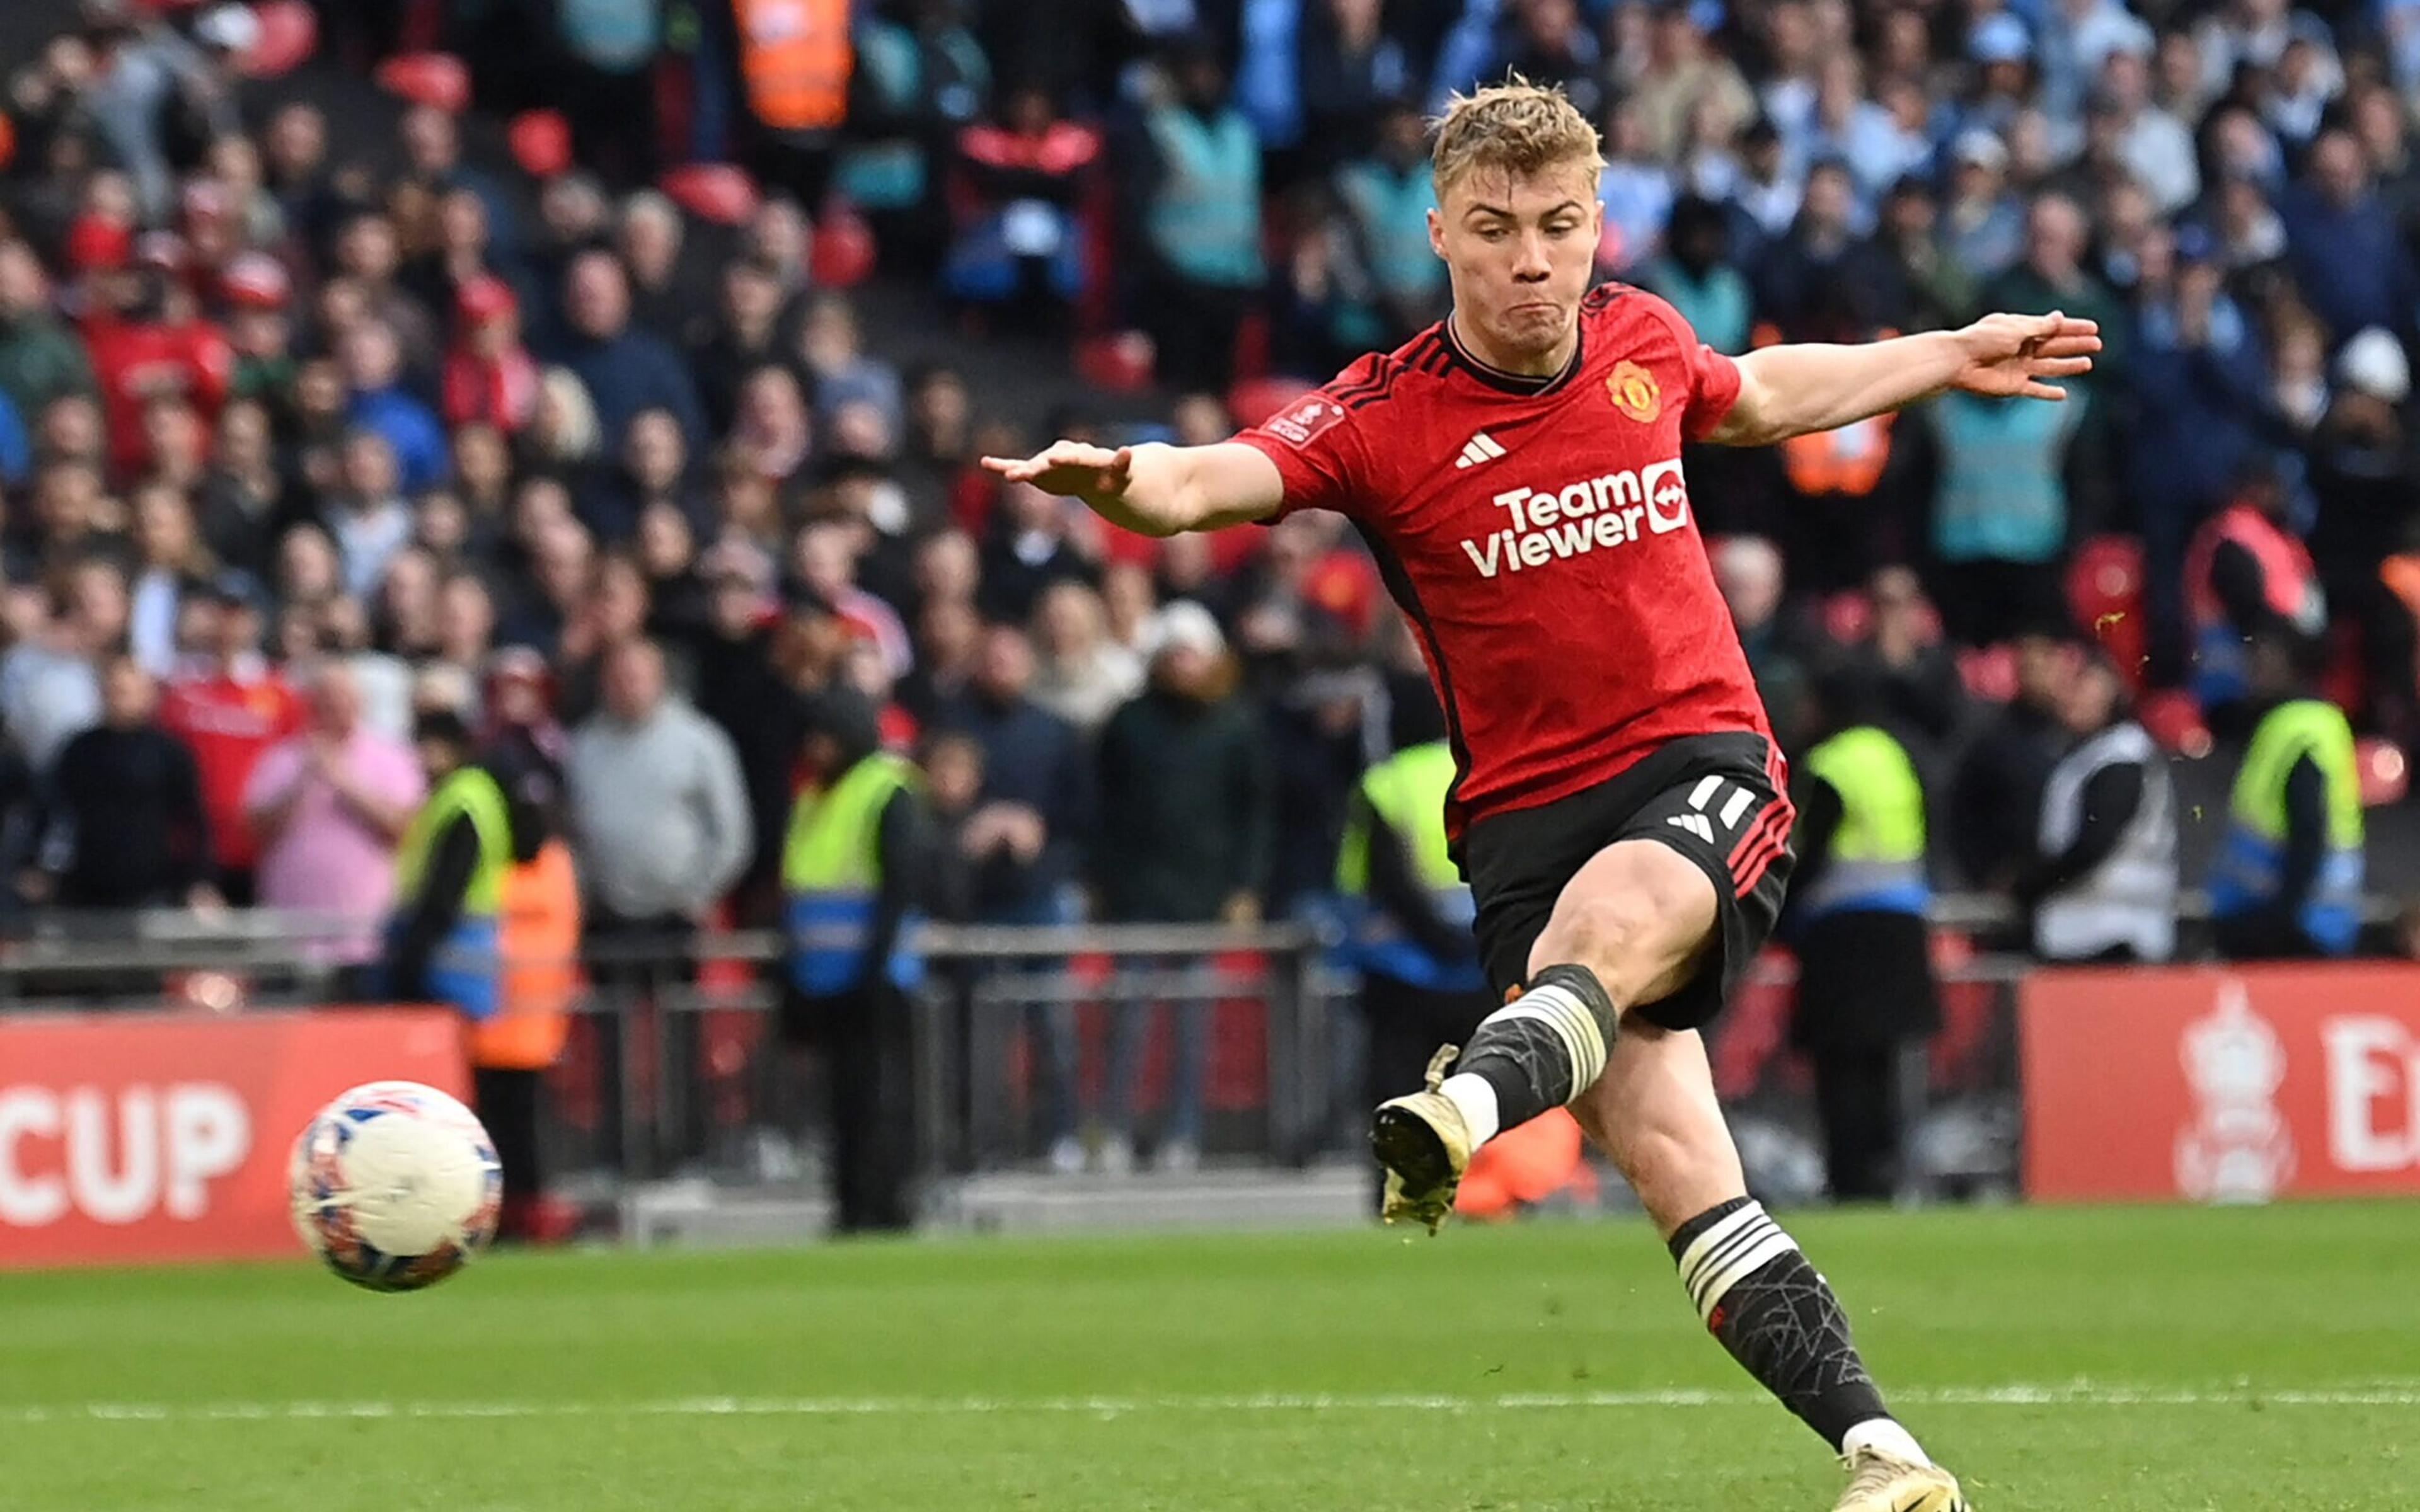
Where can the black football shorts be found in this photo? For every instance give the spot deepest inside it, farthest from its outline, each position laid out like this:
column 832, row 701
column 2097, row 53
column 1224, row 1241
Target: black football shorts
column 1717, row 799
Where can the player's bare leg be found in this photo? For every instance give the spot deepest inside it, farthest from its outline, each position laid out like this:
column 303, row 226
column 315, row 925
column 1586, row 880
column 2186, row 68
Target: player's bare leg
column 1632, row 926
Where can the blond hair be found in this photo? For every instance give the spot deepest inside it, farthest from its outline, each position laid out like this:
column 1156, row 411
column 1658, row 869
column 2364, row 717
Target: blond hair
column 1516, row 127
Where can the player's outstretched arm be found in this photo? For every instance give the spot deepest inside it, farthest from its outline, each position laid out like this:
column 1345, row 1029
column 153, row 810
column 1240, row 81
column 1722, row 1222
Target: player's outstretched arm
column 1793, row 389
column 1156, row 490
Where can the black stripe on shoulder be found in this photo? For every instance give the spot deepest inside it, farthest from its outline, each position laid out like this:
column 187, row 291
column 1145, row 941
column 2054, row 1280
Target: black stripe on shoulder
column 1388, row 369
column 1432, row 355
column 1603, row 296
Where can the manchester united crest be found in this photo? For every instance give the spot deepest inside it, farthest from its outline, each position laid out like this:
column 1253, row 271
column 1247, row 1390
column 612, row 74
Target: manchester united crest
column 1635, row 393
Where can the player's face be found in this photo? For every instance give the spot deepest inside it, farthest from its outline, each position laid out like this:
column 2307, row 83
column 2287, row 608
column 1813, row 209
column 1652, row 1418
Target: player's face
column 1520, row 251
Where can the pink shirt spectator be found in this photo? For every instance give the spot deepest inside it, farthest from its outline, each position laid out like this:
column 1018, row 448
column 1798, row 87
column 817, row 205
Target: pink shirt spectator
column 329, row 858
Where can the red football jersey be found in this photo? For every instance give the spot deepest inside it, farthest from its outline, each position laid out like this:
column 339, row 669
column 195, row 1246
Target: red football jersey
column 229, row 723
column 1539, row 536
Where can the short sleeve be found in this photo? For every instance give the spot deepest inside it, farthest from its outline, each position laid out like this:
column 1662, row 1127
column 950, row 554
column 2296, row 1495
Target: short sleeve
column 1714, row 379
column 1316, row 443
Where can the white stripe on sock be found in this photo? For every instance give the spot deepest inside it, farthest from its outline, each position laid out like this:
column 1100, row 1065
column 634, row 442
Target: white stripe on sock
column 1560, row 1009
column 1768, row 1248
column 1693, row 1257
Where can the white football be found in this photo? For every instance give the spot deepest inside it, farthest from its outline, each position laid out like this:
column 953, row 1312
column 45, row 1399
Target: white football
column 396, row 1186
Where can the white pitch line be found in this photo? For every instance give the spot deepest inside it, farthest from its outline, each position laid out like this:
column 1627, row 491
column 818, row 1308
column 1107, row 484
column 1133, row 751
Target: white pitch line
column 2081, row 1394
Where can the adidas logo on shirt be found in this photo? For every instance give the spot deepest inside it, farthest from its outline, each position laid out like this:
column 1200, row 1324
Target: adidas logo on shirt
column 1480, row 448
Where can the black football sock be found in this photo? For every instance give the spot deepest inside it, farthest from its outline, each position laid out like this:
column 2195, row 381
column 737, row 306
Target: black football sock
column 1546, row 1048
column 1777, row 1316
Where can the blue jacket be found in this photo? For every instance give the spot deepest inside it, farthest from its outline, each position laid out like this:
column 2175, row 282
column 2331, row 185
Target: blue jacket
column 631, row 373
column 2351, row 263
column 421, row 455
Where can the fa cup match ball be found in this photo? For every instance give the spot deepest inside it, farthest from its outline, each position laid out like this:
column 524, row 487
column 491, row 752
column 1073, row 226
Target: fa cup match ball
column 396, row 1186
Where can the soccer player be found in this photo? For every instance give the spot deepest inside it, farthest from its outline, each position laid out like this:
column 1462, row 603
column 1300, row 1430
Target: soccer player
column 1619, row 811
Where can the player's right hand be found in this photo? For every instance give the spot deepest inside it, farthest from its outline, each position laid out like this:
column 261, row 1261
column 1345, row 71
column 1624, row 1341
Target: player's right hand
column 1071, row 468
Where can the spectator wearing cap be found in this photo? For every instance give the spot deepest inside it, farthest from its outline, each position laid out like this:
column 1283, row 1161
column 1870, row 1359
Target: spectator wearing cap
column 2347, row 254
column 491, row 378
column 1983, row 226
column 125, row 826
column 1186, row 836
column 327, row 807
column 41, row 359
column 255, row 289
column 230, row 706
column 379, row 401
column 624, row 370
column 2366, row 472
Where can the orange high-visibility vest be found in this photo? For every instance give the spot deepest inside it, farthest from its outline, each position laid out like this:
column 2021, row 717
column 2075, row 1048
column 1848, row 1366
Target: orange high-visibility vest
column 1849, row 461
column 539, row 938
column 795, row 56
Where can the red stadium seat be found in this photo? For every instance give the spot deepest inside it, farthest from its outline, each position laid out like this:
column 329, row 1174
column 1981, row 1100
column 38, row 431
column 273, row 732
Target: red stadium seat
column 437, row 79
column 290, row 33
column 1848, row 616
column 2386, row 775
column 2175, row 721
column 715, row 192
column 540, row 141
column 1989, row 672
column 1255, row 399
column 2104, row 586
column 844, row 250
column 1118, row 361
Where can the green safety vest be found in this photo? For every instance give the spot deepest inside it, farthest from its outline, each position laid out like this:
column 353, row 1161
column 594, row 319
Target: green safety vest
column 832, row 873
column 1406, row 793
column 1877, row 856
column 465, row 970
column 2251, row 862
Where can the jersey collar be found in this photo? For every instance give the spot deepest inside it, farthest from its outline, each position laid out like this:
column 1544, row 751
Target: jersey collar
column 1502, row 382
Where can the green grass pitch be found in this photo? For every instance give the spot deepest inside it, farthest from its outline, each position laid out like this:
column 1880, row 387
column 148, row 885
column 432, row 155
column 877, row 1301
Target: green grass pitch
column 2174, row 1360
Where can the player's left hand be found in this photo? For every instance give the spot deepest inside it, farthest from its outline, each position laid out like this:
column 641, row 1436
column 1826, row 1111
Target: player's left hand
column 2008, row 356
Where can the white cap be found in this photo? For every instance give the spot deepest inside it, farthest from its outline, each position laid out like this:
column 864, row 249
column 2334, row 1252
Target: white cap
column 230, row 28
column 1186, row 624
column 2373, row 362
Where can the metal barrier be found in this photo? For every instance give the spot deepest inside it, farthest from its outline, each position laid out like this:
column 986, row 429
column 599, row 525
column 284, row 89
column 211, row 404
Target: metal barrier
column 670, row 1073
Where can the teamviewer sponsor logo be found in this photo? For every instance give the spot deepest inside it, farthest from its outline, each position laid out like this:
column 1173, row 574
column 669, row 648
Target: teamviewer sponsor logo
column 1547, row 525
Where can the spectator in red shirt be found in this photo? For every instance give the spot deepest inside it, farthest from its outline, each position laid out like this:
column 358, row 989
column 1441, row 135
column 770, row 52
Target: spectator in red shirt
column 140, row 355
column 491, row 378
column 230, row 708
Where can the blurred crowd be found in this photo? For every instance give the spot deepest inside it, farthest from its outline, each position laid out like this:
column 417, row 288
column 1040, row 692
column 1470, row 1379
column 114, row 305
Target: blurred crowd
column 301, row 440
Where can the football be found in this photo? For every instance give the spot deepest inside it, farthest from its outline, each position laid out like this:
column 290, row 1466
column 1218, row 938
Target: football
column 396, row 1186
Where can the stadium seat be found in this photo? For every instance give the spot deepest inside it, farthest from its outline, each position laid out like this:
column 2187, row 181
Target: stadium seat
column 843, row 251
column 715, row 192
column 289, row 34
column 540, row 141
column 1118, row 361
column 436, row 79
column 1989, row 672
column 2104, row 587
column 1255, row 399
column 1848, row 616
column 2175, row 721
column 2385, row 774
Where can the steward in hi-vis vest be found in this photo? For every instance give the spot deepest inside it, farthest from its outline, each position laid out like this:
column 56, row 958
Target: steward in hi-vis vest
column 441, row 939
column 854, row 880
column 2288, row 880
column 1866, row 988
